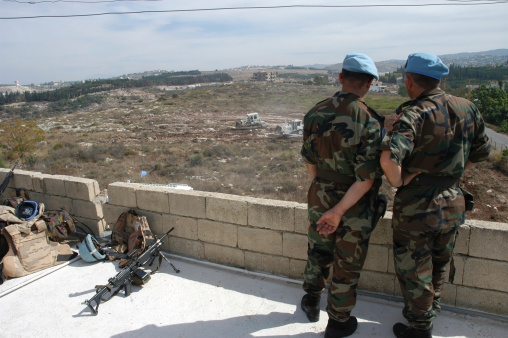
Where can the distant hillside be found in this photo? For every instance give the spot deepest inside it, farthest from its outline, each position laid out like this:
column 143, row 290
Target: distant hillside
column 485, row 58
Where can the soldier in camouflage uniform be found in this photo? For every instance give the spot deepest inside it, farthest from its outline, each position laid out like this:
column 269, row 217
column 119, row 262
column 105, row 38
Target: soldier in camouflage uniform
column 341, row 149
column 434, row 139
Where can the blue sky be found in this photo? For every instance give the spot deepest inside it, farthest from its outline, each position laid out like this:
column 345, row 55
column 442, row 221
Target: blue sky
column 74, row 48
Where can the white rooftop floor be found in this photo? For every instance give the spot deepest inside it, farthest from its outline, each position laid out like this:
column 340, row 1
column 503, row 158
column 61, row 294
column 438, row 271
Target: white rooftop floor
column 203, row 300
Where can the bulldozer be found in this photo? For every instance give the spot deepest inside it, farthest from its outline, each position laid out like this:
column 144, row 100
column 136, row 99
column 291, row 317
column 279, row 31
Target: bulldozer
column 251, row 122
column 292, row 128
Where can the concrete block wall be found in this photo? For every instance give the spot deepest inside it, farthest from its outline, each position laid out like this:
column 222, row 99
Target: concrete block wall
column 270, row 236
column 79, row 196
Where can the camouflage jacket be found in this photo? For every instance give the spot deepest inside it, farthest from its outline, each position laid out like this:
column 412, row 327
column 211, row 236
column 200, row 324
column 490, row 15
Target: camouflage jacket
column 435, row 134
column 340, row 134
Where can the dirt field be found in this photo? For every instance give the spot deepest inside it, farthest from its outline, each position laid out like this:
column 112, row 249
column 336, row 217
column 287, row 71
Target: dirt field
column 189, row 136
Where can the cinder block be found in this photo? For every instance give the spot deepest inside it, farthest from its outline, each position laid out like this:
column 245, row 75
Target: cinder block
column 260, row 240
column 81, row 188
column 383, row 233
column 488, row 240
column 301, row 219
column 462, row 240
column 377, row 258
column 152, row 199
column 38, row 184
column 486, row 274
column 112, row 212
column 188, row 203
column 54, row 185
column 123, row 194
column 296, row 268
column 97, row 226
column 55, row 203
column 22, row 179
column 218, row 233
column 224, row 255
column 275, row 265
column 185, row 247
column 185, row 227
column 377, row 282
column 272, row 214
column 88, row 209
column 294, row 245
column 483, row 300
column 227, row 208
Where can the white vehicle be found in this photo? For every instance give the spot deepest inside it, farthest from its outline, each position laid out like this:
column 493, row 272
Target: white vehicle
column 252, row 122
column 293, row 127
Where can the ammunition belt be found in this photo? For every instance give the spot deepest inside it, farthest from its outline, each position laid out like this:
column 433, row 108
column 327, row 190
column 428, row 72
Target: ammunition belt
column 335, row 177
column 424, row 180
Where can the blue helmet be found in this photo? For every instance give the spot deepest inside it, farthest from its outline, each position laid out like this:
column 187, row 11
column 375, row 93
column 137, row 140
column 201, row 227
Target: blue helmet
column 27, row 210
column 88, row 250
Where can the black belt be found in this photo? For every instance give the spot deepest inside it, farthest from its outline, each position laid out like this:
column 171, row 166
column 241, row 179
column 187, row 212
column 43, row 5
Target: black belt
column 424, row 180
column 335, row 177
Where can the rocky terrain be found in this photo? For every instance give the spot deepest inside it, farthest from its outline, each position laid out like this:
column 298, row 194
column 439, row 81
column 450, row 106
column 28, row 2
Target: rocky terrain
column 188, row 135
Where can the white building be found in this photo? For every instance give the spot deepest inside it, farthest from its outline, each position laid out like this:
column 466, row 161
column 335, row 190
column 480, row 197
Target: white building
column 377, row 86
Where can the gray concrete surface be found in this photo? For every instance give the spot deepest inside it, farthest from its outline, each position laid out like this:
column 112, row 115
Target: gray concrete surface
column 203, row 300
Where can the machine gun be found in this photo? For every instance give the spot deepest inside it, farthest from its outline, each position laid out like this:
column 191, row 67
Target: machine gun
column 5, row 183
column 124, row 279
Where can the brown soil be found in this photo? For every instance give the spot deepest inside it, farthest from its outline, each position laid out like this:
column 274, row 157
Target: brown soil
column 160, row 132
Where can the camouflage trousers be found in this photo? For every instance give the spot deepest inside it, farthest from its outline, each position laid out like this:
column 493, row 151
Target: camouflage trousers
column 421, row 259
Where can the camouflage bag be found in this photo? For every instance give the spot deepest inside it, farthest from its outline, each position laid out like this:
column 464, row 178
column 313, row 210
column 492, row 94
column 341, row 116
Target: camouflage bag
column 60, row 224
column 131, row 232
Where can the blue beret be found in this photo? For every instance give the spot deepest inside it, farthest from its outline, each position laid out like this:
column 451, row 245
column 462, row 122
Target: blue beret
column 360, row 63
column 426, row 64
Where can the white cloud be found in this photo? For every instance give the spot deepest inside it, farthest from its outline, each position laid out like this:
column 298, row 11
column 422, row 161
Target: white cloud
column 46, row 49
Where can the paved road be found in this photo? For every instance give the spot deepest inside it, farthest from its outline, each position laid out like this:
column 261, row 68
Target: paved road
column 499, row 141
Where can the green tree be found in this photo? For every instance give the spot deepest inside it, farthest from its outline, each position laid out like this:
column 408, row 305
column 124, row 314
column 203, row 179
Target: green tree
column 492, row 103
column 19, row 137
column 321, row 80
column 402, row 90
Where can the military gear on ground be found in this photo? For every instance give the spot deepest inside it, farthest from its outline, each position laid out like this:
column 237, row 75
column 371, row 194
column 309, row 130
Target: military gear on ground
column 89, row 250
column 60, row 224
column 130, row 274
column 310, row 305
column 27, row 210
column 336, row 329
column 140, row 277
column 29, row 247
column 130, row 232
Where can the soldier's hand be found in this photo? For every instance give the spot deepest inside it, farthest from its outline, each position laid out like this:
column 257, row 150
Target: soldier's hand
column 328, row 222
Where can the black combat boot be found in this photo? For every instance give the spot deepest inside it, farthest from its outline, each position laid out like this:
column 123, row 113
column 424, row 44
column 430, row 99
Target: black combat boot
column 336, row 329
column 310, row 305
column 404, row 331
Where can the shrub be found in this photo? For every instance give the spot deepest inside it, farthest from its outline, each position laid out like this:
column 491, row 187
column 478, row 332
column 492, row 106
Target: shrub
column 196, row 160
